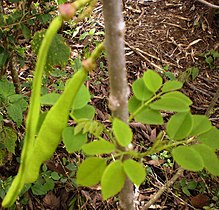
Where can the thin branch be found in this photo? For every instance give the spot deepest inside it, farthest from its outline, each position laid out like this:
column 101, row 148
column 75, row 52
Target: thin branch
column 212, row 104
column 14, row 73
column 165, row 187
column 209, row 4
column 119, row 91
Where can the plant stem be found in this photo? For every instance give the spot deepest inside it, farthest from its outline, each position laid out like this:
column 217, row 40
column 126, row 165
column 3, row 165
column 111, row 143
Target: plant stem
column 14, row 73
column 163, row 147
column 143, row 105
column 119, row 92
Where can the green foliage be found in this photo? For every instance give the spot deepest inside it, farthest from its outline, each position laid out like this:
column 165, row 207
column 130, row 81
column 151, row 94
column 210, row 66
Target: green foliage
column 87, row 112
column 3, row 56
column 210, row 159
column 3, row 154
column 149, row 99
column 186, row 133
column 6, row 88
column 145, row 115
column 173, row 101
column 89, row 126
column 8, row 138
column 210, row 138
column 152, row 80
column 113, row 179
column 135, row 171
column 189, row 73
column 188, row 187
column 169, row 75
column 201, row 125
column 171, row 85
column 49, row 99
column 4, row 186
column 54, row 58
column 179, row 125
column 149, row 116
column 60, row 1
column 140, row 90
column 73, row 142
column 45, row 182
column 14, row 104
column 90, row 171
column 43, row 185
column 82, row 98
column 188, row 158
column 122, row 132
column 210, row 58
column 98, row 147
column 13, row 26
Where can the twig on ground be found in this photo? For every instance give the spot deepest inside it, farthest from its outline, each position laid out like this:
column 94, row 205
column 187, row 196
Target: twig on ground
column 212, row 104
column 163, row 189
column 200, row 90
column 140, row 54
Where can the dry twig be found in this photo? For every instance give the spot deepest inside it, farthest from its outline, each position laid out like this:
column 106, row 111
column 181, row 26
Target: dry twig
column 163, row 189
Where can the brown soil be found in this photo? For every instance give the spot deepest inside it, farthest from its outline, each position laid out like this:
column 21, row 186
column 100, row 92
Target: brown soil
column 175, row 34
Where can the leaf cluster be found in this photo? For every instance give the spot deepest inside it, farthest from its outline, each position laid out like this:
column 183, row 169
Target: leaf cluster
column 189, row 136
column 12, row 106
column 17, row 22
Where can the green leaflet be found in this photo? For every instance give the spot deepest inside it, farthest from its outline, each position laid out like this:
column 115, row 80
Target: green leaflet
column 140, row 90
column 87, row 112
column 210, row 159
column 149, row 116
column 73, row 142
column 152, row 80
column 135, row 171
column 210, row 138
column 171, row 85
column 179, row 125
column 113, row 179
column 98, row 147
column 188, row 158
column 90, row 171
column 201, row 124
column 122, row 132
